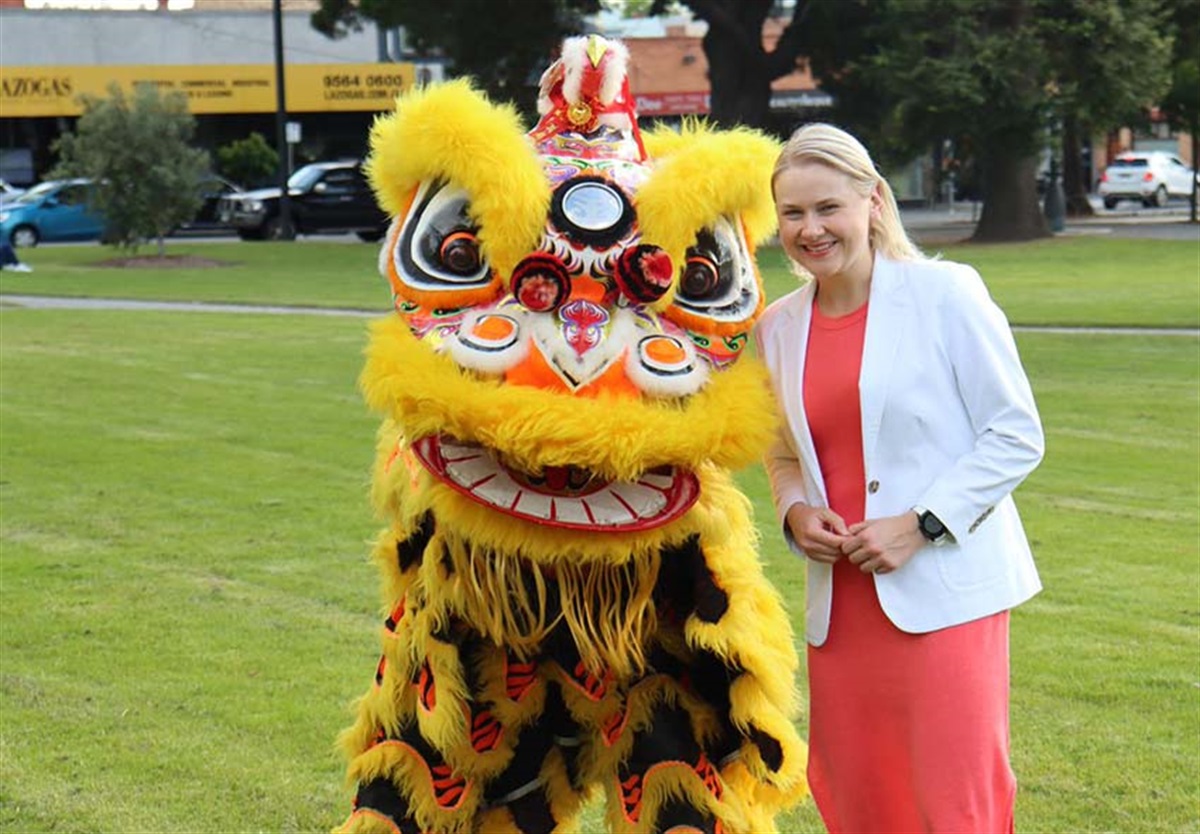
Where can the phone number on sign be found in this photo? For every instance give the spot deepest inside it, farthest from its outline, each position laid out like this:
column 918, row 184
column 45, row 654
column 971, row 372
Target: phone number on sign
column 343, row 81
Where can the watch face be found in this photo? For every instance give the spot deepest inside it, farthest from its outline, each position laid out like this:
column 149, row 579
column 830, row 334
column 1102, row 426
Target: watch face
column 931, row 527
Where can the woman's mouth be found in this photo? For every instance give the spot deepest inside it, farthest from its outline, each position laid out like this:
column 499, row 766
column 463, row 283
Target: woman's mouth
column 819, row 250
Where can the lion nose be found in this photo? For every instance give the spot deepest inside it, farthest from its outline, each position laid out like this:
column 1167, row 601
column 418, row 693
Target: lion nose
column 541, row 282
column 644, row 273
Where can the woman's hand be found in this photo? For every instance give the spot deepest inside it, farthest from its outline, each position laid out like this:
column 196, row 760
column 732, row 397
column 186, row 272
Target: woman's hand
column 819, row 531
column 882, row 545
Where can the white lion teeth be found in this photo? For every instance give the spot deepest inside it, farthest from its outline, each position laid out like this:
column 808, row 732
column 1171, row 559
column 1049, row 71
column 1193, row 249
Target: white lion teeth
column 645, row 502
column 656, row 480
column 570, row 511
column 607, row 509
column 478, row 473
column 534, row 504
column 468, row 471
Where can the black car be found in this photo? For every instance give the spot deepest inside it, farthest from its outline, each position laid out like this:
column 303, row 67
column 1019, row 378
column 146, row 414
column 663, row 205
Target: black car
column 322, row 197
column 212, row 190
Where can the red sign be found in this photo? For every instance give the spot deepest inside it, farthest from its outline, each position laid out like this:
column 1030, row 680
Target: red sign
column 671, row 104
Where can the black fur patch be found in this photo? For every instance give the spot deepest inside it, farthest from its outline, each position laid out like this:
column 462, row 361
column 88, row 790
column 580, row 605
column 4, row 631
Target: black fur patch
column 676, row 812
column 409, row 551
column 686, row 586
column 769, row 747
column 532, row 813
column 668, row 738
column 530, row 751
column 380, row 795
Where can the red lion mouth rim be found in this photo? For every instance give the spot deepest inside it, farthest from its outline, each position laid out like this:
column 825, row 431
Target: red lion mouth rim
column 563, row 497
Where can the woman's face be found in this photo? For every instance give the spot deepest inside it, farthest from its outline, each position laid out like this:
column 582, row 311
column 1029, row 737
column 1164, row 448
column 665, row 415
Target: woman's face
column 824, row 223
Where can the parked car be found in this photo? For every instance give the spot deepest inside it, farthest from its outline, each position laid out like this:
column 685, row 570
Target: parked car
column 56, row 210
column 1150, row 176
column 212, row 190
column 50, row 211
column 9, row 192
column 322, row 197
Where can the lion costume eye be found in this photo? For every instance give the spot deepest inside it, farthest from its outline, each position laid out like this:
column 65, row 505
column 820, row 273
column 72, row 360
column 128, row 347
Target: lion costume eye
column 718, row 288
column 436, row 257
column 700, row 278
column 459, row 253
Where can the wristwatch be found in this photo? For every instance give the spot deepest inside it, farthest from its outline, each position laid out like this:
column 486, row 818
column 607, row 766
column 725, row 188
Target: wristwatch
column 930, row 525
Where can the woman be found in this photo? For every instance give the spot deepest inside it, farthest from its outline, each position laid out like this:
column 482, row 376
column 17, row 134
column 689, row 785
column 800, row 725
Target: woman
column 909, row 422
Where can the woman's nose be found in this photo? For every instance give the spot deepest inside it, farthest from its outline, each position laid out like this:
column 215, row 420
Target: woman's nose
column 811, row 226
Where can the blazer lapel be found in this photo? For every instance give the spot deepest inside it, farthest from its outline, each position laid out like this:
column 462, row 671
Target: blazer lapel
column 887, row 318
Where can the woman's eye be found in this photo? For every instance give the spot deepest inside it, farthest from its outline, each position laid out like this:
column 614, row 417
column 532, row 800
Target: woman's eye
column 699, row 279
column 459, row 253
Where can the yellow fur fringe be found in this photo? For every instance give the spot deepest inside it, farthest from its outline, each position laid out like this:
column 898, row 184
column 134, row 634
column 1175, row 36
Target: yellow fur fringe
column 452, row 132
column 700, row 174
column 730, row 422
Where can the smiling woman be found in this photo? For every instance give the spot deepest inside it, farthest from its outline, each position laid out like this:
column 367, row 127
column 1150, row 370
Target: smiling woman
column 909, row 423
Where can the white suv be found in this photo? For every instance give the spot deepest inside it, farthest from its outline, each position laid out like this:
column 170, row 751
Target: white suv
column 1151, row 176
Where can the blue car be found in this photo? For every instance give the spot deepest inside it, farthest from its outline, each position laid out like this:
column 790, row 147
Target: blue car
column 50, row 211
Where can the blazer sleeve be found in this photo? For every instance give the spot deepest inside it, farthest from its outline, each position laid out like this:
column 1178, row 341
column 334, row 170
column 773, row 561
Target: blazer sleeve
column 781, row 462
column 999, row 403
column 787, row 483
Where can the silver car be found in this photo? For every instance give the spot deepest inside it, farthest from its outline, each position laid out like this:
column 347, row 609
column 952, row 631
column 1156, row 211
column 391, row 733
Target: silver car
column 1150, row 176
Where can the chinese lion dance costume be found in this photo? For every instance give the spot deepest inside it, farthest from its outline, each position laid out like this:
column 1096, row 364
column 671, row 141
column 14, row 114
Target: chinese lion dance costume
column 575, row 601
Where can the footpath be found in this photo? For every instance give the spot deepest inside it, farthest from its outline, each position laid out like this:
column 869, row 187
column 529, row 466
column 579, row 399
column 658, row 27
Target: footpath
column 954, row 223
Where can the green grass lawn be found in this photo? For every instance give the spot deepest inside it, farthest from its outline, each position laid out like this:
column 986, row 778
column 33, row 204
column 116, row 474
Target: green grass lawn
column 186, row 609
column 1067, row 280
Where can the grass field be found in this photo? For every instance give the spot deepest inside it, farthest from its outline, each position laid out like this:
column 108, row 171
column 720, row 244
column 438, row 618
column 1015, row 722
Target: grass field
column 186, row 609
column 1064, row 281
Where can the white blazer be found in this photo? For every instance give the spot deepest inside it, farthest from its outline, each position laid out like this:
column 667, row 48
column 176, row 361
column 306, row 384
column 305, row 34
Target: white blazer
column 948, row 423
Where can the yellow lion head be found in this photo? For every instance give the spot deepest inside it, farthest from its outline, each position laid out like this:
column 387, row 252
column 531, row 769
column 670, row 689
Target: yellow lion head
column 572, row 305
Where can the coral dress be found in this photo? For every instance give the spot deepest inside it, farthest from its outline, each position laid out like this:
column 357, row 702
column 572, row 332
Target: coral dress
column 908, row 732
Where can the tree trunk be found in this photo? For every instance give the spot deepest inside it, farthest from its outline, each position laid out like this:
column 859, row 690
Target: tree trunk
column 1010, row 202
column 740, row 86
column 1074, row 187
column 740, row 70
column 162, row 246
column 1195, row 129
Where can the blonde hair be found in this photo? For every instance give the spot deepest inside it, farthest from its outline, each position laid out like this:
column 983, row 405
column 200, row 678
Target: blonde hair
column 836, row 148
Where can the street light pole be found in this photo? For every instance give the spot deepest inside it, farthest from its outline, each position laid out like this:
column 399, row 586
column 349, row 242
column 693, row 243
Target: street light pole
column 285, row 208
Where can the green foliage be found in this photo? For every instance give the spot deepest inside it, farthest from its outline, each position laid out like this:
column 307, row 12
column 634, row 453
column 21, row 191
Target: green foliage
column 247, row 161
column 1182, row 101
column 1110, row 58
column 138, row 150
column 504, row 46
column 634, row 8
column 990, row 75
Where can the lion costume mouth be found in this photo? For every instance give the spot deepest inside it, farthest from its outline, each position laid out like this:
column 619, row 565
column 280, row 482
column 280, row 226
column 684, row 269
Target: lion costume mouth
column 562, row 496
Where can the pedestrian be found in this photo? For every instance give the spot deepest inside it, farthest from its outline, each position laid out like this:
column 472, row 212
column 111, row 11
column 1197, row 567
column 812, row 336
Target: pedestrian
column 9, row 259
column 908, row 423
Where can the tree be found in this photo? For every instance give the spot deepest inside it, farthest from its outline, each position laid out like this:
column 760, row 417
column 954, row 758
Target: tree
column 137, row 150
column 1181, row 104
column 909, row 74
column 1110, row 64
column 740, row 69
column 503, row 44
column 250, row 161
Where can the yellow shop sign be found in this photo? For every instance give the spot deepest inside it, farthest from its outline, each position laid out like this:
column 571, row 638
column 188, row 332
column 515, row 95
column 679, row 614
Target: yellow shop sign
column 214, row 88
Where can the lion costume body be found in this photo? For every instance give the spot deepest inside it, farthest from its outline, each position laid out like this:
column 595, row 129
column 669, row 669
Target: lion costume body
column 574, row 600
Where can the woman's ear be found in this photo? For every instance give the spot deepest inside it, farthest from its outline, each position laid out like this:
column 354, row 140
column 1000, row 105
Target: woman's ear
column 876, row 203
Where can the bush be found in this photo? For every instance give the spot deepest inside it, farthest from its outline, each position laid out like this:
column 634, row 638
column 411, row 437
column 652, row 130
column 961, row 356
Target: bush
column 137, row 150
column 250, row 161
